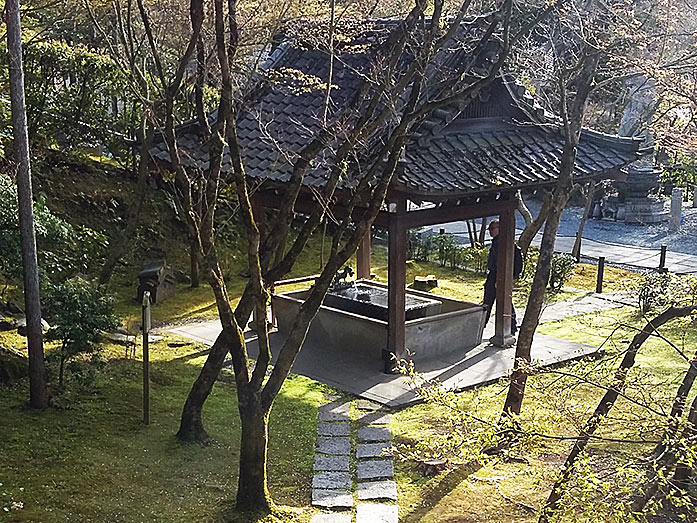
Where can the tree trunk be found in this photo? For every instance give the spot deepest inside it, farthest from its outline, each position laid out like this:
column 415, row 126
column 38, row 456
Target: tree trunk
column 119, row 244
column 606, row 403
column 194, row 264
column 683, row 470
column 38, row 394
column 523, row 209
column 590, row 191
column 678, row 408
column 572, row 108
column 516, row 390
column 191, row 424
column 534, row 226
column 252, row 489
column 482, row 231
column 666, row 460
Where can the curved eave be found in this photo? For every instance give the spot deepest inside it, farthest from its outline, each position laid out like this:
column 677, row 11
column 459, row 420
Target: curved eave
column 420, row 193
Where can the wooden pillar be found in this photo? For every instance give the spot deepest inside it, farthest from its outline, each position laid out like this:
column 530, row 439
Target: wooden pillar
column 396, row 283
column 363, row 258
column 504, row 280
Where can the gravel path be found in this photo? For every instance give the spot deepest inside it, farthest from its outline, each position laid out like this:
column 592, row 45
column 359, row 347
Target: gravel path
column 609, row 231
column 651, row 236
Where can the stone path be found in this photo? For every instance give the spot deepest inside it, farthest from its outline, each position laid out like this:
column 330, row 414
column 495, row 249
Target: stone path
column 367, row 482
column 681, row 257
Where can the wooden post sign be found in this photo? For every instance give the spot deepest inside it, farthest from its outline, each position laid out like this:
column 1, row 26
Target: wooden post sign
column 146, row 358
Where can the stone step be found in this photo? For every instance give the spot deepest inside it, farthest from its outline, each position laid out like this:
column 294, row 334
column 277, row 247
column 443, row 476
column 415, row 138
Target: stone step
column 370, row 433
column 335, row 445
column 375, row 418
column 378, row 469
column 334, row 412
column 376, row 513
column 329, row 498
column 376, row 490
column 329, row 463
column 333, row 429
column 373, row 450
column 332, row 480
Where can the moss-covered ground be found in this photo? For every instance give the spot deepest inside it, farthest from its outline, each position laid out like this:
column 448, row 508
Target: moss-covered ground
column 89, row 457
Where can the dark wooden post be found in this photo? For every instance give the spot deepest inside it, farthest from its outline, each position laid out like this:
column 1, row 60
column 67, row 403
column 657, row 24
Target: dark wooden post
column 363, row 258
column 601, row 275
column 504, row 281
column 146, row 357
column 662, row 260
column 396, row 284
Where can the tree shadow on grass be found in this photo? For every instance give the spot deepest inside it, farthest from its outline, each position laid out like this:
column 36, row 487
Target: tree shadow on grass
column 435, row 493
column 191, row 356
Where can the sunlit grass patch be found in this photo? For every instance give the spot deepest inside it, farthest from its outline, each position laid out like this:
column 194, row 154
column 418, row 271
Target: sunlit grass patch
column 96, row 461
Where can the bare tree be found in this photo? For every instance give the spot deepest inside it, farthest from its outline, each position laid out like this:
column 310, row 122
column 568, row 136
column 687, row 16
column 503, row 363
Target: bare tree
column 606, row 403
column 581, row 37
column 390, row 103
column 533, row 226
column 575, row 84
column 588, row 193
column 38, row 394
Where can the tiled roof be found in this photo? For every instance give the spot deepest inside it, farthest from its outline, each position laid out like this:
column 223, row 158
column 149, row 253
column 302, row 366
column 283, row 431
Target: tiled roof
column 484, row 155
column 471, row 148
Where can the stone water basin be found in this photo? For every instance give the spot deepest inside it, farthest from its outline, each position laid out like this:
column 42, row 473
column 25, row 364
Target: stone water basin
column 435, row 325
column 370, row 300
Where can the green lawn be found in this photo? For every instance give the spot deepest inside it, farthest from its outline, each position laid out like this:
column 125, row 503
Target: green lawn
column 557, row 403
column 92, row 459
column 95, row 461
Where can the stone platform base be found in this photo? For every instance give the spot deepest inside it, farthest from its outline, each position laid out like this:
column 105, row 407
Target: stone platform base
column 645, row 211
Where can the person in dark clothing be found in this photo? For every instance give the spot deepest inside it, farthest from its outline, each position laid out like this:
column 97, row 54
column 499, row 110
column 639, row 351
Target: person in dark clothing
column 490, row 282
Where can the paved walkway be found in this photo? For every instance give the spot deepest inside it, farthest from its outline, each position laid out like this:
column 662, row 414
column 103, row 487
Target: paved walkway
column 642, row 257
column 614, row 253
column 457, row 370
column 337, row 481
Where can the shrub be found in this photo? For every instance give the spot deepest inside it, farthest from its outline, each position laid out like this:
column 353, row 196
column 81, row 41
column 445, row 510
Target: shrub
column 62, row 249
column 563, row 266
column 445, row 247
column 656, row 290
column 421, row 248
column 475, row 258
column 78, row 311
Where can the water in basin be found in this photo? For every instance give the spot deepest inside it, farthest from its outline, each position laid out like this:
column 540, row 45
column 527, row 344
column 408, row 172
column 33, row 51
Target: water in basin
column 372, row 302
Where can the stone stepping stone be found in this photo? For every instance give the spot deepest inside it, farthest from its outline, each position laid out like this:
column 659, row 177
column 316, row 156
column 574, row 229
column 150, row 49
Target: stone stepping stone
column 331, row 518
column 368, row 405
column 373, row 490
column 327, row 463
column 376, row 513
column 331, row 480
column 369, row 433
column 375, row 418
column 329, row 498
column 382, row 468
column 334, row 412
column 333, row 429
column 334, row 445
column 373, row 450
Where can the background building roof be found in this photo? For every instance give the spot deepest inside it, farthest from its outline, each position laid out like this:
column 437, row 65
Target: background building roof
column 497, row 141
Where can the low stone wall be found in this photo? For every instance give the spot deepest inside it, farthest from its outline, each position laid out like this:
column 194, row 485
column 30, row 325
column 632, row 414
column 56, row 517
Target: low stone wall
column 458, row 327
